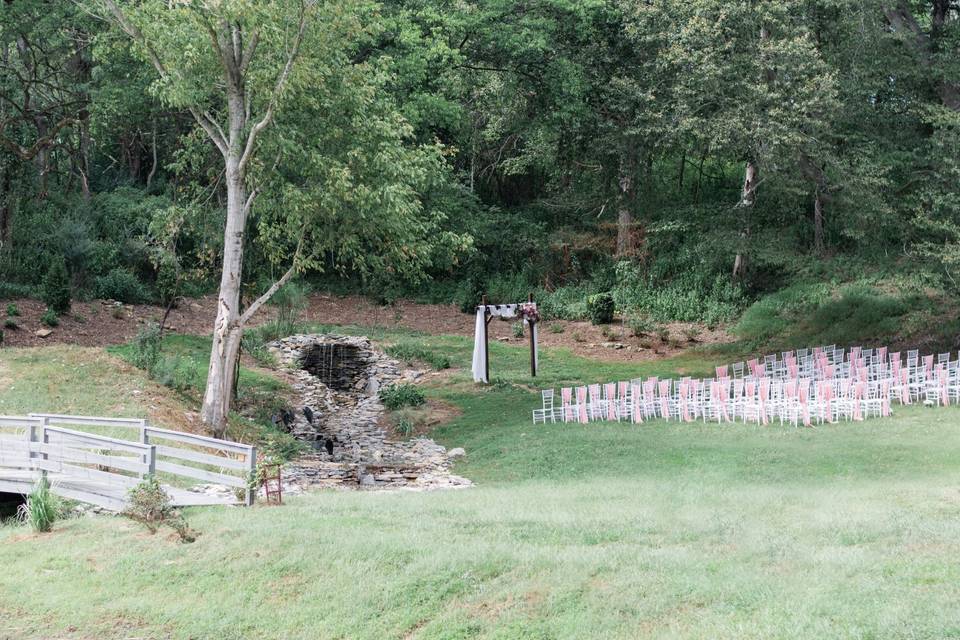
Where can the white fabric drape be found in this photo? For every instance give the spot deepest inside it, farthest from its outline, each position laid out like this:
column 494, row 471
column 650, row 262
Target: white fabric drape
column 505, row 311
column 479, row 348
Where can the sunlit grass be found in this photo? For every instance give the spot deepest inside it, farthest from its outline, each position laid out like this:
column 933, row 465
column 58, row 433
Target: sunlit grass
column 660, row 530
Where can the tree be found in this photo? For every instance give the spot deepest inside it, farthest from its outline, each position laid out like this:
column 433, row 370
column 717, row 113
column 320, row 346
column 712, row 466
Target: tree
column 228, row 64
column 280, row 80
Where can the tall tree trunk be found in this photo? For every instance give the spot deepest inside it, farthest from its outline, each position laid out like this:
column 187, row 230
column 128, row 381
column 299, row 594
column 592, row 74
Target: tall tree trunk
column 748, row 197
column 6, row 211
column 227, row 329
column 626, row 196
column 818, row 243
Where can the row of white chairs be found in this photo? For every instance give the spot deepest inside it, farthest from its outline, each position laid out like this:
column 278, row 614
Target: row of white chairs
column 853, row 392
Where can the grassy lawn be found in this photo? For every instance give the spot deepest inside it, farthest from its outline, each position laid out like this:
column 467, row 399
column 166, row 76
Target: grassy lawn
column 573, row 531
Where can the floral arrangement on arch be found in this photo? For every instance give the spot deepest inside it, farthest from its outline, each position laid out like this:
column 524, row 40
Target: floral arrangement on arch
column 529, row 312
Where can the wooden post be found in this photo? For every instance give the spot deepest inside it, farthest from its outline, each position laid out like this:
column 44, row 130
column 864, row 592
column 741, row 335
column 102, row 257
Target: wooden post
column 533, row 345
column 152, row 460
column 32, row 436
column 486, row 347
column 251, row 493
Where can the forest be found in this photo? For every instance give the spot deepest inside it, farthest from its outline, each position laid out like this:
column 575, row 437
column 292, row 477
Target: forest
column 708, row 161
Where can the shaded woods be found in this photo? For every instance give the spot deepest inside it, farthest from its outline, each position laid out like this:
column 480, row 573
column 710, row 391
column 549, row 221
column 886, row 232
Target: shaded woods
column 692, row 158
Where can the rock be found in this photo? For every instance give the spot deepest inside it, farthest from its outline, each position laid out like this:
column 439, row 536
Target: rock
column 373, row 386
column 43, row 333
column 613, row 345
column 367, row 480
column 456, row 452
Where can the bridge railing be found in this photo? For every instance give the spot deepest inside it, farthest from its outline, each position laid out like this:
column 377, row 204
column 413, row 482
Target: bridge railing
column 44, row 442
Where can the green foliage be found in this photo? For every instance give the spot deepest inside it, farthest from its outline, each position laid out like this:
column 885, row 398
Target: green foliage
column 12, row 290
column 600, row 307
column 145, row 350
column 150, row 505
column 10, row 323
column 13, row 309
column 42, row 508
column 56, row 287
column 640, row 325
column 121, row 285
column 178, row 372
column 404, row 427
column 410, row 352
column 50, row 318
column 517, row 329
column 397, row 396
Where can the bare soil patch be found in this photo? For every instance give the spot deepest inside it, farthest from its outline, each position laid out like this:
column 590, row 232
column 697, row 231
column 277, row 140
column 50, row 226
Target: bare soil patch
column 98, row 323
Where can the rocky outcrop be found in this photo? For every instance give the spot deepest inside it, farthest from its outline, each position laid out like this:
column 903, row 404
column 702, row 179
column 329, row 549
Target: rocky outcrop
column 336, row 380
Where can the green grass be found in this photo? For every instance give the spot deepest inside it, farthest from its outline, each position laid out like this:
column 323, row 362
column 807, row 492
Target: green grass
column 805, row 315
column 573, row 531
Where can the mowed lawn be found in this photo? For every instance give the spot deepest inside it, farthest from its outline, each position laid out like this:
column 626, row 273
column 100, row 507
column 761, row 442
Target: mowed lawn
column 596, row 531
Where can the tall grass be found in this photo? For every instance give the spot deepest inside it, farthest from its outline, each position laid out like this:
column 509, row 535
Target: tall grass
column 42, row 508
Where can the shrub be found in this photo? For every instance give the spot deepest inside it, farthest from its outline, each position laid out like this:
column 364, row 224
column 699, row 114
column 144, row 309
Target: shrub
column 179, row 373
column 10, row 323
column 517, row 329
column 11, row 290
column 640, row 325
column 1, row 337
column 600, row 308
column 56, row 287
column 291, row 300
column 145, row 353
column 121, row 285
column 42, row 508
column 556, row 327
column 398, row 396
column 50, row 318
column 150, row 506
column 467, row 296
column 13, row 309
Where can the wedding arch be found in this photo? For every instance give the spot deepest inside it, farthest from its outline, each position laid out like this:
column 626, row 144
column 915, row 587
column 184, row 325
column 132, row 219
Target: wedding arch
column 526, row 311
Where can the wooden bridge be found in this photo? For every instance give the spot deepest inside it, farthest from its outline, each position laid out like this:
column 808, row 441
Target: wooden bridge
column 98, row 460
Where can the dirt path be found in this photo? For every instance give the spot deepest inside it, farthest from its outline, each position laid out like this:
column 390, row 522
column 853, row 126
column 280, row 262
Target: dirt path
column 100, row 323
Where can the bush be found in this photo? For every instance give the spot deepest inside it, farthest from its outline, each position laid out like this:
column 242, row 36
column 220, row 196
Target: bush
column 42, row 508
column 13, row 310
column 50, row 318
column 146, row 346
column 10, row 290
column 10, row 323
column 468, row 295
column 398, row 396
column 56, row 287
column 517, row 329
column 640, row 325
column 1, row 337
column 150, row 506
column 121, row 285
column 600, row 308
column 179, row 373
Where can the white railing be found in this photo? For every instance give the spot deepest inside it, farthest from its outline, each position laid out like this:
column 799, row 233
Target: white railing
column 101, row 469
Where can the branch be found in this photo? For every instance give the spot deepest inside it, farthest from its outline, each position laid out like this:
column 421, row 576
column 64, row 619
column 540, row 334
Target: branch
column 28, row 153
column 134, row 33
column 259, row 302
column 277, row 89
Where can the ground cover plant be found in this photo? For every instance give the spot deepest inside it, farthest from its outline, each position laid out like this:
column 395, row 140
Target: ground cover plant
column 600, row 530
